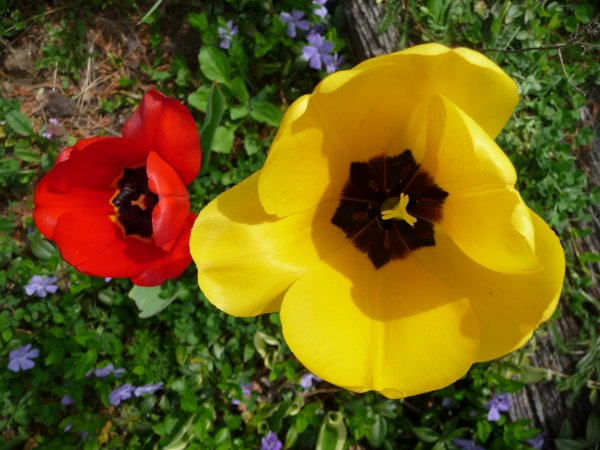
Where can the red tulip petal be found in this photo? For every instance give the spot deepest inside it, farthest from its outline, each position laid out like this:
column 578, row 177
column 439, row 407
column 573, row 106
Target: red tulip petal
column 50, row 204
column 173, row 263
column 171, row 212
column 165, row 126
column 95, row 245
column 80, row 145
column 97, row 166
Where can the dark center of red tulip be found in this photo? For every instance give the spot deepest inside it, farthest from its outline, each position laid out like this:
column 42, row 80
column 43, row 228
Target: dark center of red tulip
column 134, row 202
column 388, row 207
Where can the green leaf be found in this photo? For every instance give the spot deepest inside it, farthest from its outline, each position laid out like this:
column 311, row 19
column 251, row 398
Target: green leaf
column 570, row 23
column 42, row 248
column 182, row 437
column 252, row 144
column 24, row 152
column 265, row 112
column 238, row 89
column 592, row 429
column 149, row 301
column 332, row 435
column 584, row 13
column 214, row 112
column 19, row 122
column 238, row 112
column 570, row 444
column 13, row 442
column 426, row 434
column 199, row 98
column 85, row 363
column 214, row 64
column 378, row 431
column 223, row 141
column 198, row 21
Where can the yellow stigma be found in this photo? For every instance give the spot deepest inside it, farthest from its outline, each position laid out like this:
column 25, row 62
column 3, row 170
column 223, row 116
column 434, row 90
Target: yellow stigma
column 399, row 212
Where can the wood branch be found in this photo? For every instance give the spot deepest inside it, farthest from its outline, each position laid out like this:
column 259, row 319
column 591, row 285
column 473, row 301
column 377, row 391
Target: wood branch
column 364, row 17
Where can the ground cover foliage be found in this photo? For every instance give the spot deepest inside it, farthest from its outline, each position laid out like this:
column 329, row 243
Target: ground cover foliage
column 77, row 69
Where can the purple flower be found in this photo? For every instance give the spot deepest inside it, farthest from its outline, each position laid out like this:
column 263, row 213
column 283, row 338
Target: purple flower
column 67, row 400
column 107, row 370
column 85, row 436
column 332, row 62
column 147, row 389
column 246, row 391
column 52, row 128
column 447, row 402
column 20, row 359
column 67, row 427
column 270, row 442
column 306, row 381
column 536, row 442
column 226, row 34
column 317, row 49
column 120, row 394
column 498, row 404
column 466, row 444
column 293, row 21
column 107, row 279
column 41, row 286
column 320, row 8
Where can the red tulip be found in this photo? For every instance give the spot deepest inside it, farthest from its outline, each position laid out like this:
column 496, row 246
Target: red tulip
column 119, row 207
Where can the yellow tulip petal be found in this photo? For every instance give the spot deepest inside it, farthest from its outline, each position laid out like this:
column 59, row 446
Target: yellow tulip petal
column 508, row 306
column 493, row 228
column 460, row 155
column 398, row 330
column 468, row 78
column 483, row 213
column 246, row 258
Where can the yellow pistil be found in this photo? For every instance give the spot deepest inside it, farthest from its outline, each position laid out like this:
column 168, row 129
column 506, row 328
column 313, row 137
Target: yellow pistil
column 399, row 212
column 140, row 202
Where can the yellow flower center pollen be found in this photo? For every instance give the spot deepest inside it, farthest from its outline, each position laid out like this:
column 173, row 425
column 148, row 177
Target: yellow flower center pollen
column 398, row 211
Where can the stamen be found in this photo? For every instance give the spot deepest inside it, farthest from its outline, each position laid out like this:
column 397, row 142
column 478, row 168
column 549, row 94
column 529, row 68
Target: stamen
column 399, row 212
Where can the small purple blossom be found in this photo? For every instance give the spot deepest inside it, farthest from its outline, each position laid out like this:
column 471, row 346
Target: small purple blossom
column 52, row 128
column 332, row 62
column 246, row 391
column 293, row 21
column 226, row 34
column 498, row 404
column 107, row 279
column 67, row 427
column 320, row 8
column 107, row 370
column 20, row 359
column 466, row 444
column 85, row 436
column 41, row 286
column 447, row 402
column 307, row 380
column 67, row 400
column 270, row 442
column 536, row 442
column 317, row 49
column 147, row 389
column 120, row 394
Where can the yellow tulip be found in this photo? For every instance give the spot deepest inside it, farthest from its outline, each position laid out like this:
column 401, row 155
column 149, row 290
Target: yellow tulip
column 386, row 228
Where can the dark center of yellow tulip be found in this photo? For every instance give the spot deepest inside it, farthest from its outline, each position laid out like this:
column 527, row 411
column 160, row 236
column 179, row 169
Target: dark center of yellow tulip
column 389, row 206
column 134, row 202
